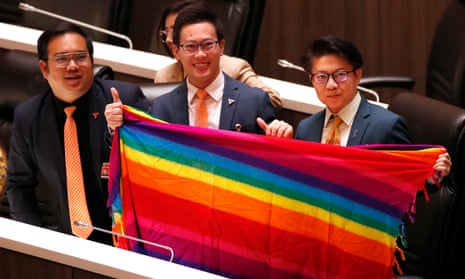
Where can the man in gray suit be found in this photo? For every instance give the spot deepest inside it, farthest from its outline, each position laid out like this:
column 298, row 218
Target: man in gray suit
column 232, row 105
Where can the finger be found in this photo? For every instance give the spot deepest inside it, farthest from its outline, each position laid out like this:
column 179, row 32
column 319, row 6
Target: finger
column 442, row 168
column 275, row 129
column 289, row 133
column 113, row 109
column 282, row 130
column 114, row 115
column 262, row 124
column 115, row 95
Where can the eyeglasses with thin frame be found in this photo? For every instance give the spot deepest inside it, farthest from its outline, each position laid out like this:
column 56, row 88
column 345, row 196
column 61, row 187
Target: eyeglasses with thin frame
column 323, row 78
column 62, row 60
column 193, row 47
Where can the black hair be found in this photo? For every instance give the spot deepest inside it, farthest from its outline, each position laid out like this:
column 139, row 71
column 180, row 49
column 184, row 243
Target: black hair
column 331, row 44
column 176, row 8
column 57, row 30
column 193, row 16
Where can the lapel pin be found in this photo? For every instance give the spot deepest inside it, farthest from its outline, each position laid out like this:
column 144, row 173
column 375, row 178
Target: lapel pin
column 355, row 133
column 95, row 115
column 230, row 101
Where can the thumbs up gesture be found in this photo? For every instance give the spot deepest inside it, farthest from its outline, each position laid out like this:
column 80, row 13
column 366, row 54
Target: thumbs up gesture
column 114, row 111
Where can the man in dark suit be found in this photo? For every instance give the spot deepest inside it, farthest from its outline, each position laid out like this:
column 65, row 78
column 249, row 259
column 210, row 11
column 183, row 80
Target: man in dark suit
column 372, row 124
column 37, row 145
column 232, row 105
column 240, row 106
column 335, row 69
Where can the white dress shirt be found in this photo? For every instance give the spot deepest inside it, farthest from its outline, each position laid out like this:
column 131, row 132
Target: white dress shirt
column 214, row 99
column 347, row 114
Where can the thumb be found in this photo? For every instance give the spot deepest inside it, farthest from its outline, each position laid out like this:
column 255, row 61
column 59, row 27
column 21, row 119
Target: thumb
column 115, row 95
column 262, row 123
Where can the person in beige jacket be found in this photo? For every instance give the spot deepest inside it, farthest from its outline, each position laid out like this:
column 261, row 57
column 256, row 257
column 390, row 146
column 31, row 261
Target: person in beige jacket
column 235, row 67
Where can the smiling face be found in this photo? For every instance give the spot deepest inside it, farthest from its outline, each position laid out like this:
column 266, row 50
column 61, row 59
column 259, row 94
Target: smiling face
column 201, row 67
column 335, row 95
column 74, row 80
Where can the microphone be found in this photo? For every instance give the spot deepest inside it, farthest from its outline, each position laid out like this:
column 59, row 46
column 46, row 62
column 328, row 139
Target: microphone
column 161, row 246
column 29, row 8
column 286, row 64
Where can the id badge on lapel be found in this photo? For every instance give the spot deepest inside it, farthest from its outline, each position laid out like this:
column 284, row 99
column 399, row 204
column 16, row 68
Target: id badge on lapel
column 104, row 173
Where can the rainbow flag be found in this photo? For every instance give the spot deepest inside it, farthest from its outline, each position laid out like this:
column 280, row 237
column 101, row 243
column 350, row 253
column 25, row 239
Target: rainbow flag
column 249, row 206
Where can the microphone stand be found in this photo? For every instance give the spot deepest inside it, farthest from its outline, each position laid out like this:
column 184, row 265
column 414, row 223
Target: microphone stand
column 161, row 246
column 286, row 64
column 29, row 8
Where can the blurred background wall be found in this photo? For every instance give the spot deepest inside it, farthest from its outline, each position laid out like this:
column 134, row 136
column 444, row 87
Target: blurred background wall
column 394, row 35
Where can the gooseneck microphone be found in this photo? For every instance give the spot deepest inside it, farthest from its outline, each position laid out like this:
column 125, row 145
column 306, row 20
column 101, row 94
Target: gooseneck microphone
column 29, row 8
column 161, row 246
column 286, row 64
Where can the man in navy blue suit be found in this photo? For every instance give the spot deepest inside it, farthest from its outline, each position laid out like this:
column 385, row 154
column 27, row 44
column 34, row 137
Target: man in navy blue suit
column 232, row 105
column 37, row 144
column 335, row 69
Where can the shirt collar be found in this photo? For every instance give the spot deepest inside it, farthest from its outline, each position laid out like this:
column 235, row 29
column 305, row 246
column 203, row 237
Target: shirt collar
column 347, row 113
column 214, row 89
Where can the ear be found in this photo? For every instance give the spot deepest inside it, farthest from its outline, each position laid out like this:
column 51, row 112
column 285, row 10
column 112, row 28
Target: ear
column 358, row 73
column 43, row 68
column 175, row 49
column 222, row 43
column 171, row 47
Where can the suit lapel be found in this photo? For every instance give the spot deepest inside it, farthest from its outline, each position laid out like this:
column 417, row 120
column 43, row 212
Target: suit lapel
column 180, row 100
column 49, row 145
column 229, row 104
column 360, row 124
column 318, row 130
column 96, row 121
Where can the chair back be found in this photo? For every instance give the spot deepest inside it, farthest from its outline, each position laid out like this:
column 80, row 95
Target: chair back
column 432, row 122
column 445, row 79
column 241, row 20
column 445, row 73
column 154, row 90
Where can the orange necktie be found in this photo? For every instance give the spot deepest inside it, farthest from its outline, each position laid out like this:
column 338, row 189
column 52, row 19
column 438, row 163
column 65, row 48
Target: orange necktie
column 334, row 136
column 74, row 179
column 201, row 112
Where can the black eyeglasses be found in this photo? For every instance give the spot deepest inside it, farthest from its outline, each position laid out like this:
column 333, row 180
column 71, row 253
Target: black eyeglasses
column 338, row 76
column 205, row 46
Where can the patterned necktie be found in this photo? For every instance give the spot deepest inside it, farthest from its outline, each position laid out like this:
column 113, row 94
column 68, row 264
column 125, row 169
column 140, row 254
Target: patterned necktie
column 74, row 179
column 201, row 112
column 334, row 136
